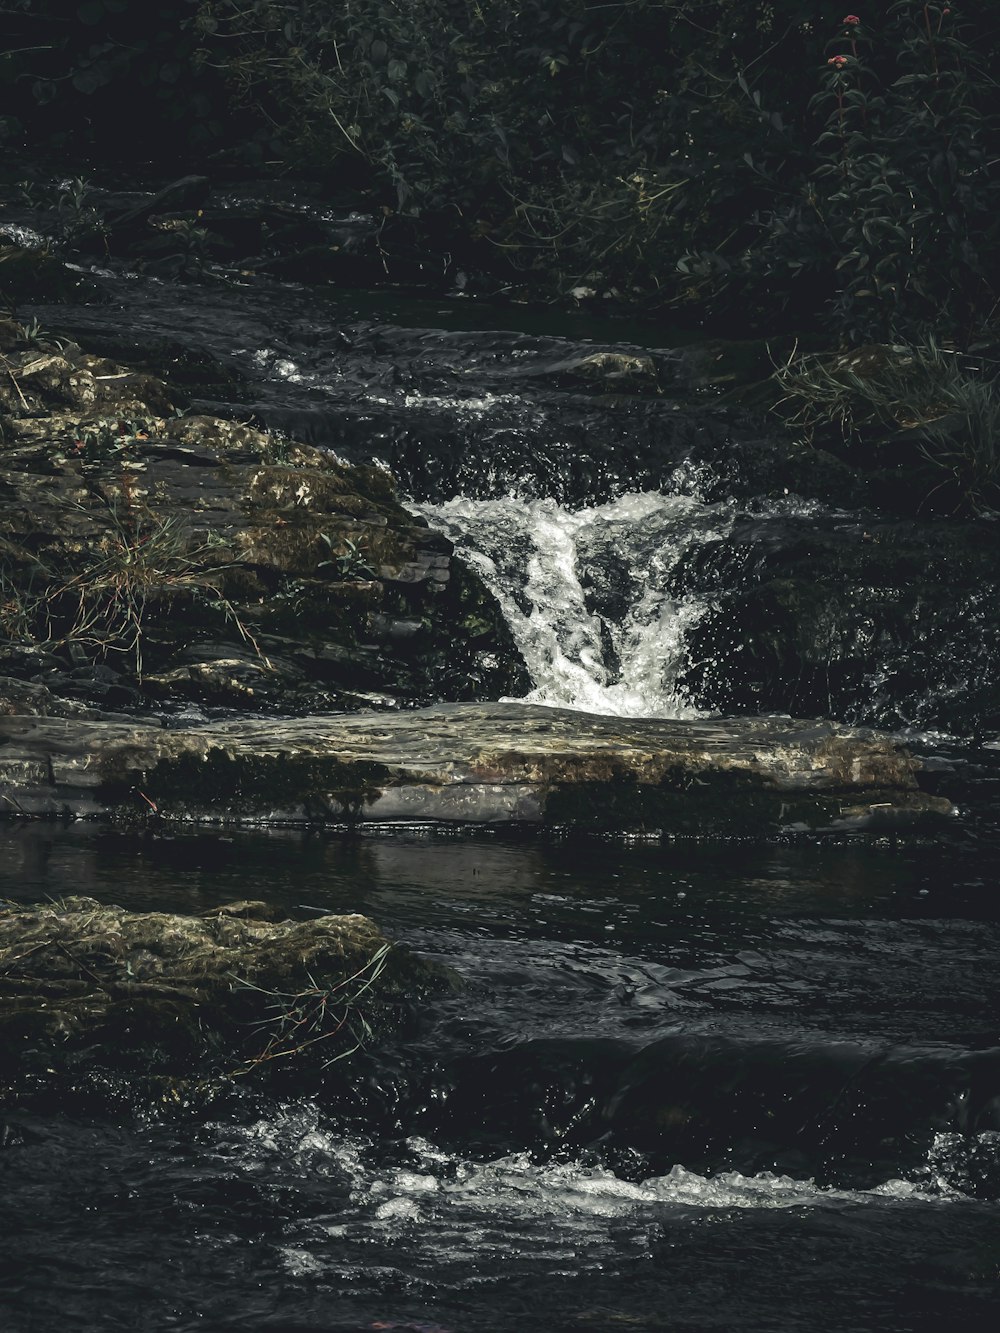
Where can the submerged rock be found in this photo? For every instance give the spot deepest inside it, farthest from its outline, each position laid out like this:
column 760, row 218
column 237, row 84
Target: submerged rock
column 90, row 989
column 483, row 764
column 850, row 1112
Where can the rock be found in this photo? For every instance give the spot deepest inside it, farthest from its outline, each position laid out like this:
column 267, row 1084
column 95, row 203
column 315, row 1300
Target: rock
column 776, row 1104
column 205, row 559
column 122, row 223
column 888, row 622
column 21, row 698
column 89, row 990
column 37, row 275
column 482, row 764
column 628, row 371
column 851, row 1112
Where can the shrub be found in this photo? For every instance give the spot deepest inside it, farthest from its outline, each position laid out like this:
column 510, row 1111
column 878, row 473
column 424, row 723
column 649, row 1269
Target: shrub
column 73, row 74
column 771, row 162
column 677, row 150
column 906, row 190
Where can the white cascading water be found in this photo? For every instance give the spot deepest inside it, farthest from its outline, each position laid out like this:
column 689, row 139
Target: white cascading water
column 586, row 592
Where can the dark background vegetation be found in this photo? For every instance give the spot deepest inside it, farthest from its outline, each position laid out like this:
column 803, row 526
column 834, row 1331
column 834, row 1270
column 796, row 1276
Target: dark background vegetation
column 698, row 153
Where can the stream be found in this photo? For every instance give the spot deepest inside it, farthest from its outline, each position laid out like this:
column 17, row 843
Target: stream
column 689, row 1085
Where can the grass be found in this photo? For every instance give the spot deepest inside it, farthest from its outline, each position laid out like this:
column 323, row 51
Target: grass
column 947, row 405
column 317, row 1014
column 141, row 561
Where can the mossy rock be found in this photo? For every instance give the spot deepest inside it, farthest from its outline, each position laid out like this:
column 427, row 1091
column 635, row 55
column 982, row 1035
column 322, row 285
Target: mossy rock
column 89, row 990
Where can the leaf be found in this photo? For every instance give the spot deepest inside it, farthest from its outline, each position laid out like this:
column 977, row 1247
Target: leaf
column 89, row 80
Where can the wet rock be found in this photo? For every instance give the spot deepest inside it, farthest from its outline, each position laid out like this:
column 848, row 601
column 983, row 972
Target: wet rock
column 196, row 556
column 476, row 413
column 493, row 763
column 628, row 371
column 90, row 990
column 37, row 275
column 779, row 1105
column 850, row 1112
column 186, row 192
column 22, row 698
column 187, row 226
column 889, row 623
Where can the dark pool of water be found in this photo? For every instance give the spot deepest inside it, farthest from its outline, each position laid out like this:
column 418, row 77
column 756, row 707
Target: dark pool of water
column 480, row 1180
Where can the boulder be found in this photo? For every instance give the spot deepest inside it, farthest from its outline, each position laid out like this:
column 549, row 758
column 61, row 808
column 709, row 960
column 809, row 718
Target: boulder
column 887, row 622
column 469, row 764
column 89, row 991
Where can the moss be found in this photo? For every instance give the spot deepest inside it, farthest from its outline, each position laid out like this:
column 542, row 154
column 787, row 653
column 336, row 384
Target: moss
column 225, row 785
column 89, row 990
column 300, row 543
column 738, row 804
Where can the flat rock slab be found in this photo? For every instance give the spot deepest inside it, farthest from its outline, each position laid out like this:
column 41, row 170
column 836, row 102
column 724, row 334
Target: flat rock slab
column 470, row 764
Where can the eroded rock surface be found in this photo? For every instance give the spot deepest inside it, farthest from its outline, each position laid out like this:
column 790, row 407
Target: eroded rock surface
column 485, row 763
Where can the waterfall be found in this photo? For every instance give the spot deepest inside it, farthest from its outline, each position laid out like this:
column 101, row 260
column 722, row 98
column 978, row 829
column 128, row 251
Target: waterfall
column 588, row 592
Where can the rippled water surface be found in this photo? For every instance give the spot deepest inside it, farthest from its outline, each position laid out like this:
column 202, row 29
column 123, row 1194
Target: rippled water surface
column 489, row 1173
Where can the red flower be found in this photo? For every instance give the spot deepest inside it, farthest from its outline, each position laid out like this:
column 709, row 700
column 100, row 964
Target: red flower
column 851, row 21
column 838, row 62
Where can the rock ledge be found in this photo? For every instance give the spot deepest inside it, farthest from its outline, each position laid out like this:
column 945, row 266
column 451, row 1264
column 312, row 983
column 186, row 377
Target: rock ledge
column 471, row 764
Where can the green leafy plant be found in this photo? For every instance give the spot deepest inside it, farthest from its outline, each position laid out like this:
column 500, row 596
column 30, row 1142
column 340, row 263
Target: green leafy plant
column 906, row 190
column 940, row 408
column 758, row 164
column 348, row 559
column 68, row 67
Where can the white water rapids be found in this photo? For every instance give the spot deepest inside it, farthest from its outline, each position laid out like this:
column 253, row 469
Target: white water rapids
column 586, row 592
column 443, row 1211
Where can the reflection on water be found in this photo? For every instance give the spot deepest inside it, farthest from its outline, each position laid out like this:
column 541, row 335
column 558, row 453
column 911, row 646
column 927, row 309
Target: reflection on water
column 291, row 866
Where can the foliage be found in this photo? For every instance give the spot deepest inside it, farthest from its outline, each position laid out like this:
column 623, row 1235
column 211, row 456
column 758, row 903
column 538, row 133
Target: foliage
column 776, row 163
column 652, row 147
column 347, row 559
column 103, row 601
column 918, row 404
column 544, row 133
column 79, row 71
column 905, row 187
